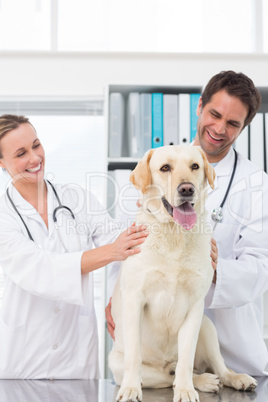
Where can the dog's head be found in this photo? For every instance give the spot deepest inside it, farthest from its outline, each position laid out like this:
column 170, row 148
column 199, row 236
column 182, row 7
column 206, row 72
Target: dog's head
column 173, row 181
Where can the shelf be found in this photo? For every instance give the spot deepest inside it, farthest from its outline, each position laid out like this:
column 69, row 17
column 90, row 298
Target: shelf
column 168, row 89
column 126, row 122
column 122, row 163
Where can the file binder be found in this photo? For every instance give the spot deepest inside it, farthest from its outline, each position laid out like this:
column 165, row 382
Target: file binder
column 146, row 121
column 134, row 128
column 116, row 124
column 194, row 100
column 170, row 112
column 184, row 118
column 257, row 141
column 266, row 139
column 157, row 120
column 242, row 143
column 123, row 197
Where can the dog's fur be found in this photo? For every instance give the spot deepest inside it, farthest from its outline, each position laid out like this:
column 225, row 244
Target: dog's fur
column 161, row 335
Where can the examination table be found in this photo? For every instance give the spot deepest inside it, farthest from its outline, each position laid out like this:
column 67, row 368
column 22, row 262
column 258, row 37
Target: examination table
column 106, row 390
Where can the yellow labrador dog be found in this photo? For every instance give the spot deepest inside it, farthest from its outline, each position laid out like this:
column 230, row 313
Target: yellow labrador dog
column 161, row 335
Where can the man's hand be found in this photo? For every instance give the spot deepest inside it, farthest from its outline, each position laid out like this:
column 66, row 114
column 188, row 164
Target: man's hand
column 109, row 319
column 214, row 258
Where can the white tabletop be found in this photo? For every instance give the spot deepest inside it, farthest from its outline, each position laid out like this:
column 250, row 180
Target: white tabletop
column 106, row 390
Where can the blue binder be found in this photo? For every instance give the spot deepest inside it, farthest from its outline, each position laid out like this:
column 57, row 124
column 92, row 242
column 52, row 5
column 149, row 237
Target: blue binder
column 157, row 120
column 194, row 99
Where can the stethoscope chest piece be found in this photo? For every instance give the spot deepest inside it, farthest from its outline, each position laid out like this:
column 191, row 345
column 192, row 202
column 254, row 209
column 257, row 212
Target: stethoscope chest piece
column 217, row 215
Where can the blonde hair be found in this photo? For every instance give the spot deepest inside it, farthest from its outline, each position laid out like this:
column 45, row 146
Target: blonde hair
column 9, row 122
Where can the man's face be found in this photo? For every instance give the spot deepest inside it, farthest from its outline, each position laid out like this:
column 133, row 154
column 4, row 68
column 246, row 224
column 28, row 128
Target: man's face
column 219, row 124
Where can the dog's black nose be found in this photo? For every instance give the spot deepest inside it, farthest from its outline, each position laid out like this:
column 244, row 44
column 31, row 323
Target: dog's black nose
column 186, row 190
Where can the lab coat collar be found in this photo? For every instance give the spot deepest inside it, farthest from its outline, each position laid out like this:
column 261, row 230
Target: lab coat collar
column 223, row 168
column 26, row 209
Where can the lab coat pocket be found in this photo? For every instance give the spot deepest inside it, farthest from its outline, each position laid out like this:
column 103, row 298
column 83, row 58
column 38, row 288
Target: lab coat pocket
column 11, row 347
column 88, row 340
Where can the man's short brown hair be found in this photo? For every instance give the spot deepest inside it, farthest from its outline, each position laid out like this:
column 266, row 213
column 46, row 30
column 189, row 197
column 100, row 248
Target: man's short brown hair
column 237, row 85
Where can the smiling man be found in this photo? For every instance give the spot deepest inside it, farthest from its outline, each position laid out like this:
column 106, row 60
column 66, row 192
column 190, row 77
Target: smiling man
column 228, row 104
column 234, row 303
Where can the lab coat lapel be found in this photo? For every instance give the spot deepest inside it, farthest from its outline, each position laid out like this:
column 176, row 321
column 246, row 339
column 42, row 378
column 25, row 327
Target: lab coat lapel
column 26, row 210
column 223, row 168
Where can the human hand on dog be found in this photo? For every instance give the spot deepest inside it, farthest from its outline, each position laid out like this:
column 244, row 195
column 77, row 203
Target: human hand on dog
column 109, row 319
column 125, row 244
column 214, row 258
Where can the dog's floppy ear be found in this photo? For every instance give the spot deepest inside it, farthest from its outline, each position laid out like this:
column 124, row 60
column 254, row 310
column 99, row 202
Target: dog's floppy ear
column 141, row 176
column 209, row 171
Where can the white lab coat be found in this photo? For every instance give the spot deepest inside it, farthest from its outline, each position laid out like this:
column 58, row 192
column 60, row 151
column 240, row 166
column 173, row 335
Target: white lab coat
column 48, row 324
column 235, row 303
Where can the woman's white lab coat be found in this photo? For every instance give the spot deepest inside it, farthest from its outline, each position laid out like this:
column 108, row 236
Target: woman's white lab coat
column 235, row 303
column 48, row 324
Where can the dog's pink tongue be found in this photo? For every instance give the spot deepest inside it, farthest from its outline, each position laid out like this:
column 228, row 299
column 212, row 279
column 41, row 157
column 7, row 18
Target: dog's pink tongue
column 185, row 215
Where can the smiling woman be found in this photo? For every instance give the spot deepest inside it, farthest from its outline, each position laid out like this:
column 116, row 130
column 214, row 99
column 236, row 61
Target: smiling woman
column 70, row 129
column 26, row 161
column 48, row 305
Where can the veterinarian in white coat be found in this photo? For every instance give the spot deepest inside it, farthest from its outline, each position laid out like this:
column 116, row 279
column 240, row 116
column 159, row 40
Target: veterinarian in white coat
column 235, row 301
column 47, row 323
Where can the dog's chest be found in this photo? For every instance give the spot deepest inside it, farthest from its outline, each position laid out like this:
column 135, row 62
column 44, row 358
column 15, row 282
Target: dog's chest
column 170, row 291
column 166, row 304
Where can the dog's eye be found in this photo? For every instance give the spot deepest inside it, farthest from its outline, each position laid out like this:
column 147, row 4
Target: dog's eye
column 165, row 168
column 195, row 166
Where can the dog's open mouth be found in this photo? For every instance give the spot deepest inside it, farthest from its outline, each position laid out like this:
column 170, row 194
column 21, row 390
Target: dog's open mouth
column 184, row 214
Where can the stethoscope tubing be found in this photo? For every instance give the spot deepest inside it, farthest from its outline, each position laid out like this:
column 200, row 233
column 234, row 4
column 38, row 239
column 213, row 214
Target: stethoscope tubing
column 54, row 215
column 16, row 209
column 218, row 212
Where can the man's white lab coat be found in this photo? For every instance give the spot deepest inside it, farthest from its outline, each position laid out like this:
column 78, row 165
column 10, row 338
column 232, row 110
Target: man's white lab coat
column 235, row 303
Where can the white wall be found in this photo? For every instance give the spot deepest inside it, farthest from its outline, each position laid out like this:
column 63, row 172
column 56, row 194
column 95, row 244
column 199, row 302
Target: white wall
column 86, row 74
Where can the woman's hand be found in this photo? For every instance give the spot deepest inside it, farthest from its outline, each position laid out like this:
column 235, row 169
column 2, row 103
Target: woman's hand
column 127, row 242
column 124, row 246
column 214, row 258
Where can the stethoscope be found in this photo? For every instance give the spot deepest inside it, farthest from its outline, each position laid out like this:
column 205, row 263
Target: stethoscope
column 217, row 214
column 54, row 216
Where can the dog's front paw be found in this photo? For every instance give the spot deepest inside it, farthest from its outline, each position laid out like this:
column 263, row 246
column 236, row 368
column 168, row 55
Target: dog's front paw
column 185, row 395
column 132, row 394
column 241, row 382
column 244, row 382
column 207, row 382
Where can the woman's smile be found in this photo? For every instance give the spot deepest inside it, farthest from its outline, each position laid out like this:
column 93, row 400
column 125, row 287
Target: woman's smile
column 35, row 169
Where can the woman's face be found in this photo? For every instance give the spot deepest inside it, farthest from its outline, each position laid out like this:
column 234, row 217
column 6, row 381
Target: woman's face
column 23, row 155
